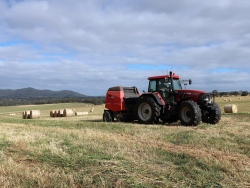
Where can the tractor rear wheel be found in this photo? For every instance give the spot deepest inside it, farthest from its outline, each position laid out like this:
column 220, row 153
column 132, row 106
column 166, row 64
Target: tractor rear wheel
column 107, row 116
column 212, row 115
column 189, row 113
column 147, row 110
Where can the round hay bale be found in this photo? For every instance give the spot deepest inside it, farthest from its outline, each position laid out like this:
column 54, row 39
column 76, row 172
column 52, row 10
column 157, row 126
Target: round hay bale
column 81, row 113
column 60, row 113
column 68, row 112
column 24, row 117
column 55, row 113
column 34, row 114
column 51, row 114
column 27, row 114
column 230, row 108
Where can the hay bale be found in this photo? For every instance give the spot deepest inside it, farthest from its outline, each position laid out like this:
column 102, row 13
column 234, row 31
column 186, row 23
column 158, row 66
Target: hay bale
column 81, row 113
column 51, row 114
column 54, row 113
column 34, row 114
column 230, row 108
column 68, row 112
column 60, row 113
column 26, row 115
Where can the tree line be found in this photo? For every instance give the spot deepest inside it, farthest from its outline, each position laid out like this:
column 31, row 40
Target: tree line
column 37, row 101
column 230, row 93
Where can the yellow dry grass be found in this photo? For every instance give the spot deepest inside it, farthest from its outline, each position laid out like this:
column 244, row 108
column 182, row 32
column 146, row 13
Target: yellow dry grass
column 242, row 102
column 130, row 149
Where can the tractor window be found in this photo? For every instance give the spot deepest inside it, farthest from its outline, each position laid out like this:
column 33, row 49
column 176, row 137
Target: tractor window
column 162, row 84
column 152, row 85
column 177, row 84
column 155, row 85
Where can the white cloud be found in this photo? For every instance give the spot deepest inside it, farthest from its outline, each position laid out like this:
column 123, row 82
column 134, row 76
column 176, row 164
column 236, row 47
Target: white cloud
column 88, row 46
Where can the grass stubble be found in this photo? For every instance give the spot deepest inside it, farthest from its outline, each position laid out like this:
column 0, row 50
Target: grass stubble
column 86, row 152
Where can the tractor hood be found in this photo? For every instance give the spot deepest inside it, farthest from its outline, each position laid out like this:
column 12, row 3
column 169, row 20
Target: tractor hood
column 186, row 93
column 190, row 92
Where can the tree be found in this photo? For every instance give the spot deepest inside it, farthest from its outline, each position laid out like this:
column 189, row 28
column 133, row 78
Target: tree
column 244, row 93
column 216, row 93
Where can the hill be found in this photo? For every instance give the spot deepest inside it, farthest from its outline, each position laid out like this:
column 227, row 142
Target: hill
column 36, row 93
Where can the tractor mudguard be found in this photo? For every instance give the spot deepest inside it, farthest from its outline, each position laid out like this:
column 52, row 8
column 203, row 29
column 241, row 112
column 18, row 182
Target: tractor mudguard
column 156, row 96
column 185, row 99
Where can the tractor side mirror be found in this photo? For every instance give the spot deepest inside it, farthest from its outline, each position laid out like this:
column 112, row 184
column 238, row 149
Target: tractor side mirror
column 190, row 81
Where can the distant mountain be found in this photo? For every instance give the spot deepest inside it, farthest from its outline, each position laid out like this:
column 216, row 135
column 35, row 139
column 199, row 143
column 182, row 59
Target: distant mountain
column 36, row 93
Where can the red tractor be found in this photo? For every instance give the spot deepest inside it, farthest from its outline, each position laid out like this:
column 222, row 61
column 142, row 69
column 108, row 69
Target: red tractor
column 165, row 101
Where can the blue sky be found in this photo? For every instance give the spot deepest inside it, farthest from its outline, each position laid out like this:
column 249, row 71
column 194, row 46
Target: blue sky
column 88, row 46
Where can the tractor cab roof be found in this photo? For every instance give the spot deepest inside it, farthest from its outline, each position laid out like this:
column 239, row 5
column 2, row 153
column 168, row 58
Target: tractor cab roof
column 163, row 76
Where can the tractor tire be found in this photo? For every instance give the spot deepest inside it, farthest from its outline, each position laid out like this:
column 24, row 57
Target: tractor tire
column 213, row 115
column 107, row 116
column 147, row 111
column 190, row 113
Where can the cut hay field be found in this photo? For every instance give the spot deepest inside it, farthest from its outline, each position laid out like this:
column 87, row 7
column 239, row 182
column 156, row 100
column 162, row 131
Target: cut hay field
column 86, row 152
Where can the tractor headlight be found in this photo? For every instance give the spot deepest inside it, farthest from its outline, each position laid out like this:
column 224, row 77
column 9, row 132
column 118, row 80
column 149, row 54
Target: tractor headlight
column 204, row 99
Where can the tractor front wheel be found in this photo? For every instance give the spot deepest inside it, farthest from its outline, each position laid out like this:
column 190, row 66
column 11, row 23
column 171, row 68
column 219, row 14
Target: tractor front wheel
column 212, row 115
column 189, row 113
column 147, row 110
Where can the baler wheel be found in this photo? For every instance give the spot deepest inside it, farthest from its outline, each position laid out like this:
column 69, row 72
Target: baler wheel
column 107, row 116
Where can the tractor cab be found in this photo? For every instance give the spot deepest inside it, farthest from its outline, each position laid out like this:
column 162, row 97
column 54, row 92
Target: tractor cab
column 164, row 86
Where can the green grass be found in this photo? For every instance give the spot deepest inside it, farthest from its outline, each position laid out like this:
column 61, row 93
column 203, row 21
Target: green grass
column 4, row 143
column 86, row 152
column 190, row 169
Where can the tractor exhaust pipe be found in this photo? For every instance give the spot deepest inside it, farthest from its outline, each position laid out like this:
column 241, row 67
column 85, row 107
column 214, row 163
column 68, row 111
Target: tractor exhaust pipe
column 172, row 83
